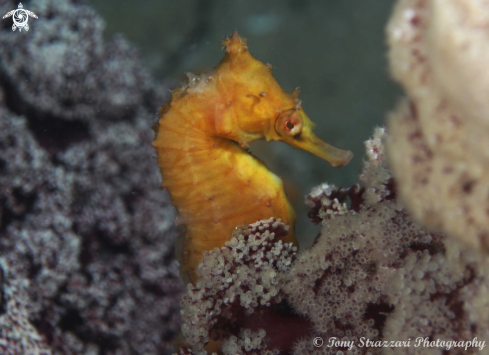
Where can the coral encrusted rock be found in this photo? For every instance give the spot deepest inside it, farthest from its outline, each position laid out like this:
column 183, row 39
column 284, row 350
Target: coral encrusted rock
column 86, row 237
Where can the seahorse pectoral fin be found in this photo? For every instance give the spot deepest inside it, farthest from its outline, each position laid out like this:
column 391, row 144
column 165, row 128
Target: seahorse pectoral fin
column 311, row 143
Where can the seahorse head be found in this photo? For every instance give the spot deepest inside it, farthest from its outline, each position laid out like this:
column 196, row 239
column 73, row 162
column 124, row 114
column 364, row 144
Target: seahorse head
column 255, row 106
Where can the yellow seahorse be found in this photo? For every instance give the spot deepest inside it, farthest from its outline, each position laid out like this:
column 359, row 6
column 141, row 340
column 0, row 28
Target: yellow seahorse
column 201, row 141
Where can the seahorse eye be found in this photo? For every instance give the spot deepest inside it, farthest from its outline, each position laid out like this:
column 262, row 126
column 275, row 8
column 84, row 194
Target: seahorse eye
column 289, row 123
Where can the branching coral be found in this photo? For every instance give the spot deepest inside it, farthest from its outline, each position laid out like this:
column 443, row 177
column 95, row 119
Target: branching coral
column 373, row 273
column 439, row 148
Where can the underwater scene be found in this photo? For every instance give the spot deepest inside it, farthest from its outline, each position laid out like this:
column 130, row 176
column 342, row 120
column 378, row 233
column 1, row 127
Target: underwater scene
column 244, row 177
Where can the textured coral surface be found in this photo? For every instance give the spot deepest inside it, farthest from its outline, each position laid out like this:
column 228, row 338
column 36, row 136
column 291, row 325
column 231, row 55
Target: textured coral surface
column 439, row 148
column 237, row 282
column 375, row 273
column 372, row 273
column 86, row 238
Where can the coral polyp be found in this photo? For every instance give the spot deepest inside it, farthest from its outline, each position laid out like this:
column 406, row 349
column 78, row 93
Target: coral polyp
column 201, row 141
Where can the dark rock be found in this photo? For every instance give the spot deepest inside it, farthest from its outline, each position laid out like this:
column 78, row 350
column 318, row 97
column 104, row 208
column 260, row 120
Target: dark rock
column 86, row 237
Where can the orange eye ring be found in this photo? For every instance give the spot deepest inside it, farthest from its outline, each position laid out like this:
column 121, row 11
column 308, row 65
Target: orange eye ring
column 289, row 123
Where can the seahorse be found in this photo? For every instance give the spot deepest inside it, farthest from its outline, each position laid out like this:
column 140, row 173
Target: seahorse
column 201, row 141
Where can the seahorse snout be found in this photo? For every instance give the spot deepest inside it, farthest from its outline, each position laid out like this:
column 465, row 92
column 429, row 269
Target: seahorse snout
column 311, row 143
column 295, row 128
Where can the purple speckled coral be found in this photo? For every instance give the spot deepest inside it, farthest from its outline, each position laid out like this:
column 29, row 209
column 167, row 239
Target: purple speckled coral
column 372, row 273
column 86, row 237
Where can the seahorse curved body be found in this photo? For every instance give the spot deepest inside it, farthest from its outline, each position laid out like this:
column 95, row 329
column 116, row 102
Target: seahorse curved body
column 203, row 131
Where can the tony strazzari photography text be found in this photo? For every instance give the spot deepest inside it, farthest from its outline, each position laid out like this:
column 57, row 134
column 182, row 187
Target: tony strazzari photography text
column 424, row 342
